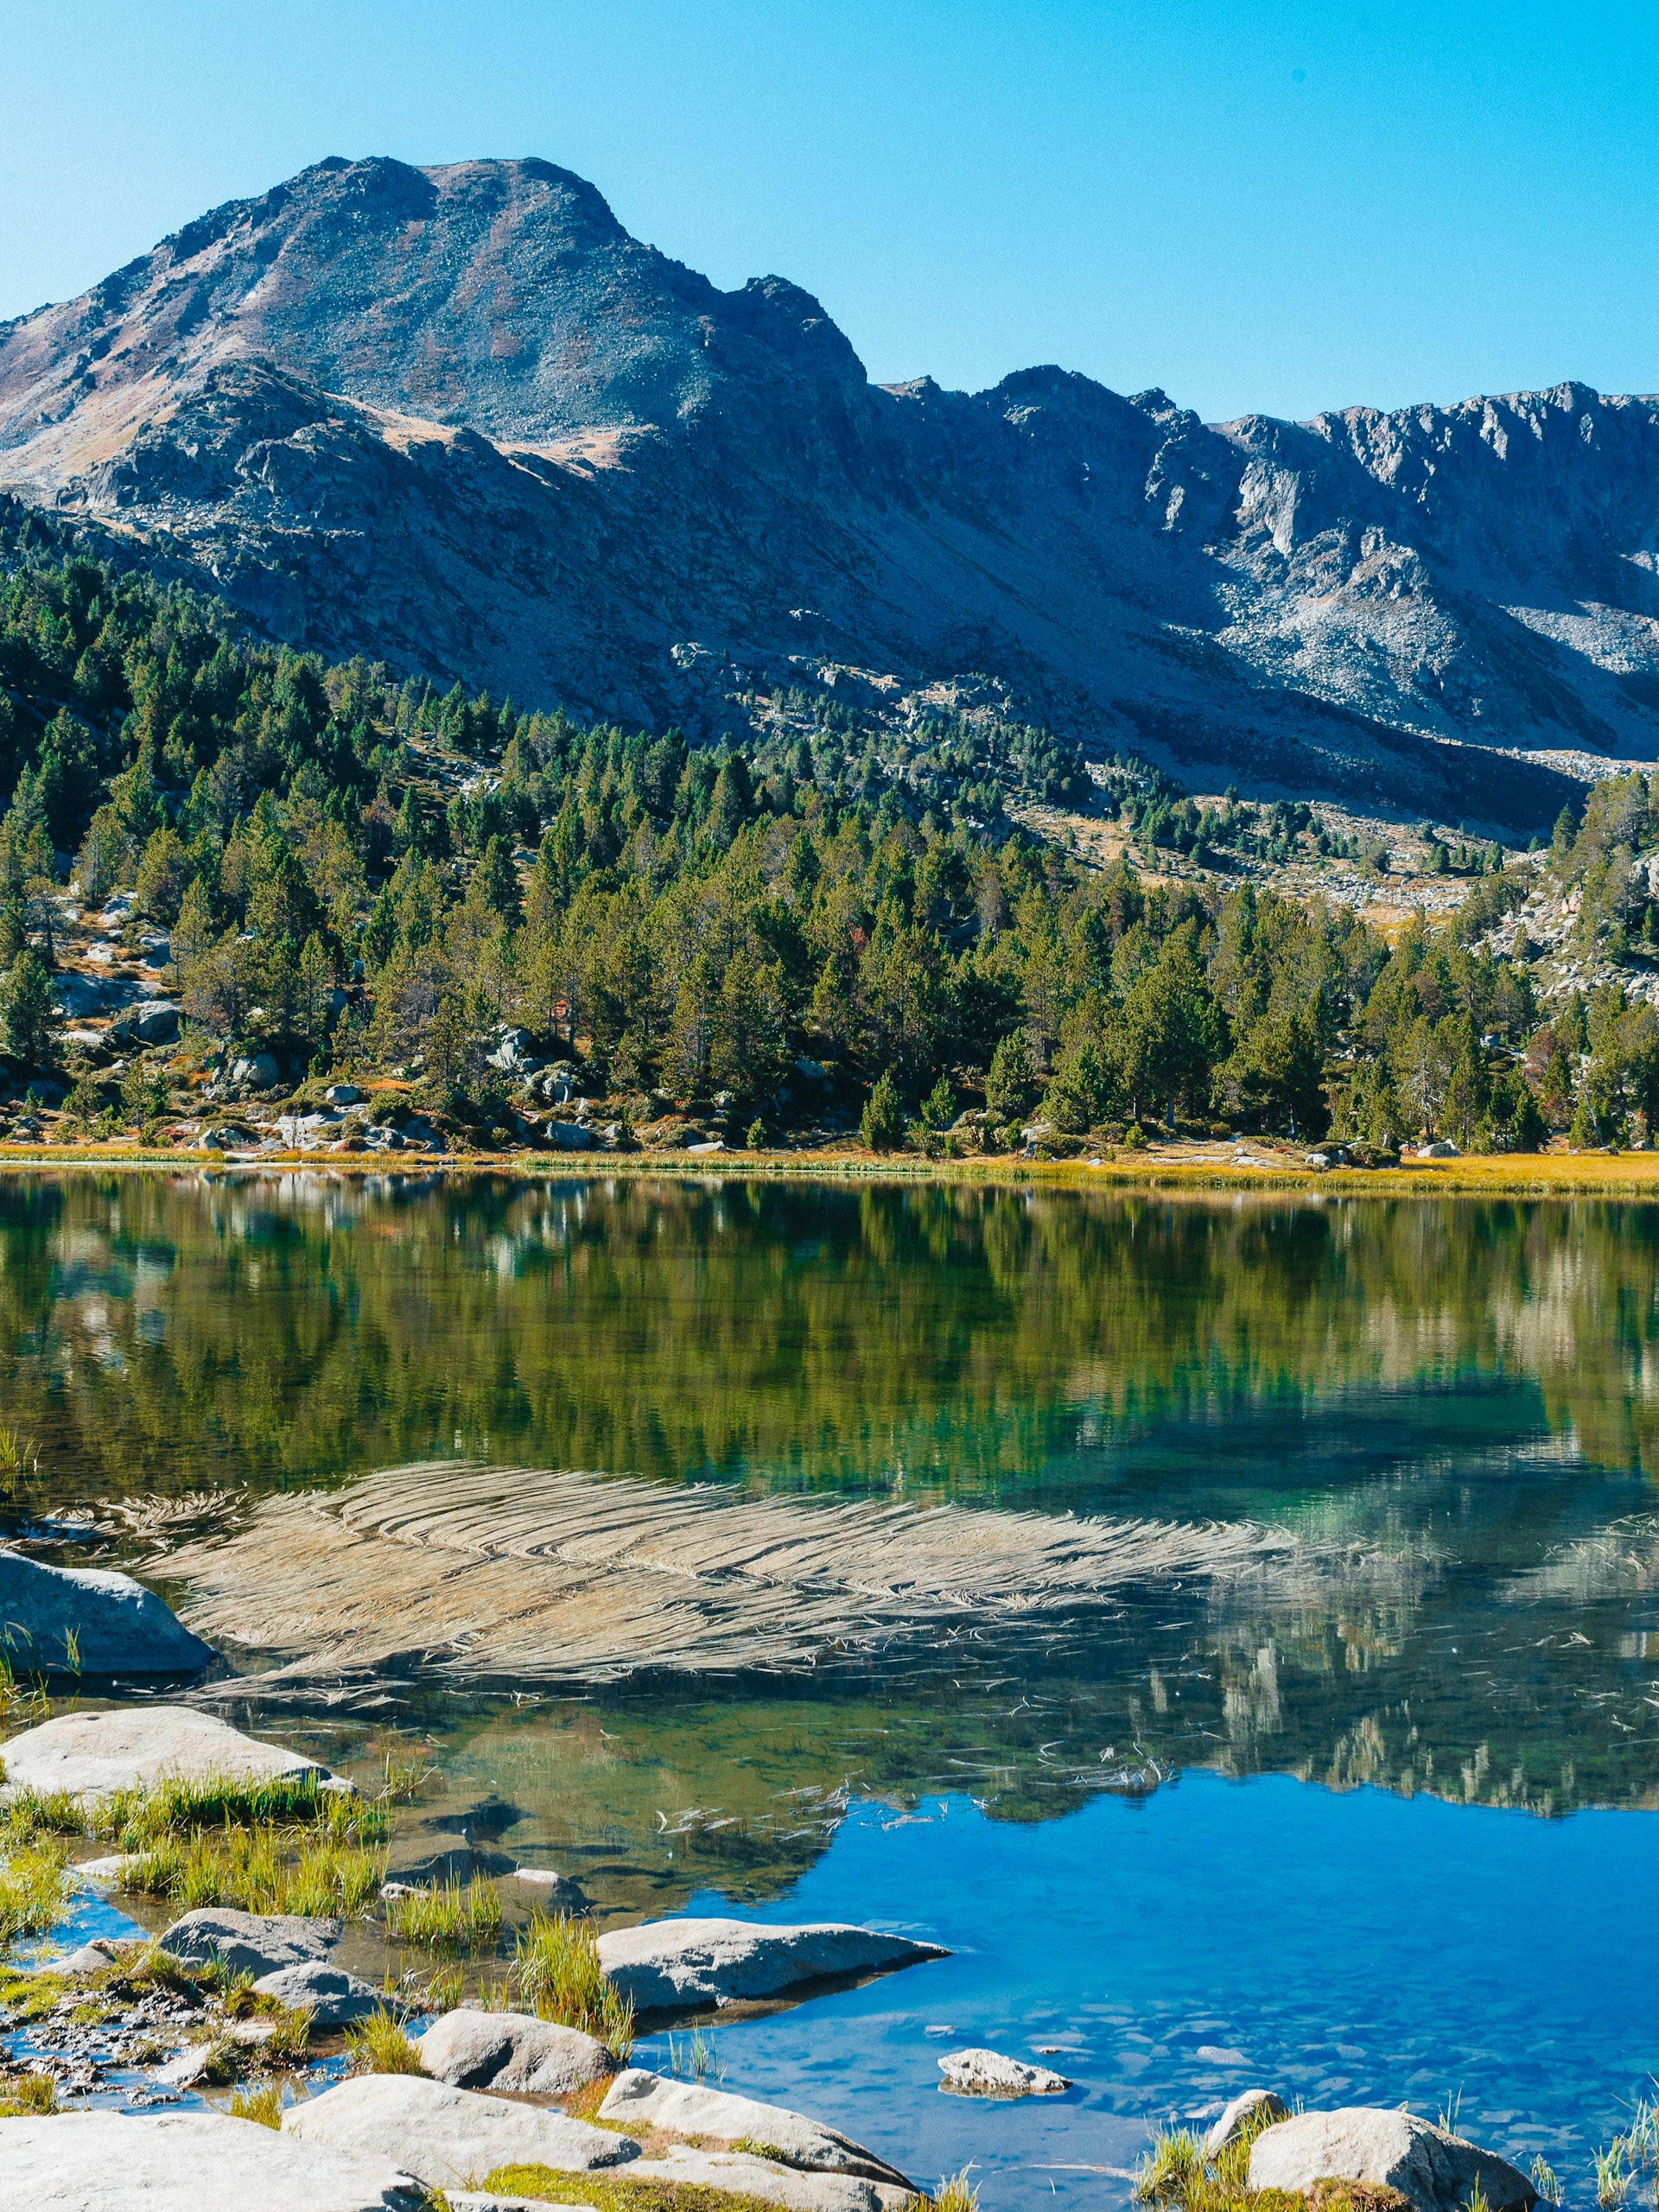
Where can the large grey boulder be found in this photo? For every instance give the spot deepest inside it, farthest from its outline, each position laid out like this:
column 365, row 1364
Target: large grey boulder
column 638, row 2098
column 332, row 1997
column 248, row 1943
column 1391, row 2149
column 743, row 2173
column 450, row 2138
column 511, row 2052
column 988, row 2074
column 89, row 1620
column 182, row 2161
column 1236, row 2117
column 666, row 1965
column 92, row 1754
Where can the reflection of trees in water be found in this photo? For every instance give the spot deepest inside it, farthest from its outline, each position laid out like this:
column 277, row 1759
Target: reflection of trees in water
column 165, row 1329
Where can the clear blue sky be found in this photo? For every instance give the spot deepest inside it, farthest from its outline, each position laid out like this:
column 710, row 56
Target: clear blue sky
column 1255, row 205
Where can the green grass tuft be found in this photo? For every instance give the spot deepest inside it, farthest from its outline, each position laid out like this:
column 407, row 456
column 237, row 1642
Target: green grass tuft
column 447, row 1917
column 558, row 1973
column 954, row 2193
column 379, row 2046
column 34, row 1883
column 263, row 1868
column 27, row 2096
column 262, row 2105
column 610, row 2192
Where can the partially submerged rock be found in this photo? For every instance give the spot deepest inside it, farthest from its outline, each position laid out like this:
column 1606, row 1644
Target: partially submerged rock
column 1248, row 2106
column 248, row 1943
column 180, row 2162
column 511, row 2052
column 1435, row 2172
column 131, row 1747
column 665, row 1965
column 90, row 1620
column 332, row 1997
column 447, row 2137
column 743, row 2173
column 990, row 2074
column 644, row 2099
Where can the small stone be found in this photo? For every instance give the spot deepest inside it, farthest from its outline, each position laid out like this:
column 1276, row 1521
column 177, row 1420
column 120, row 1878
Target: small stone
column 332, row 1997
column 639, row 2099
column 248, row 1943
column 1244, row 2107
column 667, row 1965
column 88, row 1620
column 511, row 2053
column 988, row 2074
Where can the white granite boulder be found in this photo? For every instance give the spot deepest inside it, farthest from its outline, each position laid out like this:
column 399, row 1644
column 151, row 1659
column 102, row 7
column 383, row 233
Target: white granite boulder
column 332, row 1997
column 639, row 2099
column 665, row 1965
column 988, row 2074
column 89, row 1620
column 450, row 2139
column 184, row 2162
column 129, row 1747
column 258, row 1943
column 513, row 2053
column 1236, row 2117
column 1390, row 2149
column 744, row 2173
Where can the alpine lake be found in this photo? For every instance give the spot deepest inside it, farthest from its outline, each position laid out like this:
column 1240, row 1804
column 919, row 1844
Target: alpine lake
column 1372, row 1829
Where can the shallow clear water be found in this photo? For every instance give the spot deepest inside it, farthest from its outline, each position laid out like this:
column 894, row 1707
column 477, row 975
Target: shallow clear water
column 1402, row 1845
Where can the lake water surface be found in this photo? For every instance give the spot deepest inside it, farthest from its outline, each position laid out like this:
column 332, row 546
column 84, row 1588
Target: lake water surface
column 1388, row 1837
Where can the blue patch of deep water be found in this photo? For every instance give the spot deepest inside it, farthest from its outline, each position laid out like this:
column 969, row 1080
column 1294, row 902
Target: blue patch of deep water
column 1345, row 1948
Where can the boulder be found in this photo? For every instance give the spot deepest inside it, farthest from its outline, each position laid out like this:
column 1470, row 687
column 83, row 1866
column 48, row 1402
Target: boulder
column 179, row 2162
column 449, row 2138
column 155, row 1022
column 256, row 1071
column 248, row 1943
column 93, row 1753
column 744, row 2173
column 1237, row 2117
column 665, row 1965
column 988, row 2074
column 1389, row 2149
column 343, row 1093
column 90, row 1620
column 570, row 1136
column 511, row 2052
column 333, row 1997
column 642, row 2100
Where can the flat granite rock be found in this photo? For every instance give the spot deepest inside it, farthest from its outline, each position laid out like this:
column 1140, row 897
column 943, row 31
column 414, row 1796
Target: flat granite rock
column 332, row 1997
column 186, row 2162
column 513, row 2053
column 666, row 1965
column 92, row 1754
column 1390, row 2149
column 990, row 2074
column 248, row 1943
column 743, row 2173
column 450, row 2139
column 641, row 2099
column 90, row 1620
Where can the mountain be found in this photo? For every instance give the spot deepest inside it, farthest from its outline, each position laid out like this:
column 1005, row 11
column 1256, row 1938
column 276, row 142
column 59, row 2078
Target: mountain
column 458, row 419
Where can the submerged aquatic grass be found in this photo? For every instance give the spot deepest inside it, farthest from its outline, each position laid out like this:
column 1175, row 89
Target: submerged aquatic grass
column 558, row 1973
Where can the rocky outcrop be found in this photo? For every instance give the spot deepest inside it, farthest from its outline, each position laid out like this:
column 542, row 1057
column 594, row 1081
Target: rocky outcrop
column 90, row 1754
column 513, row 2053
column 256, row 1943
column 639, row 2099
column 665, row 1966
column 1437, row 2172
column 990, row 2074
column 457, row 418
column 89, row 1620
column 179, row 2162
column 447, row 2137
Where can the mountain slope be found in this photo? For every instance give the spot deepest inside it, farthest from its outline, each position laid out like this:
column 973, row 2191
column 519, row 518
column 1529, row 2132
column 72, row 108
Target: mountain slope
column 459, row 419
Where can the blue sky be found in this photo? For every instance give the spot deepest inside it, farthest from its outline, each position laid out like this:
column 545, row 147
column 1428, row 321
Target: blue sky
column 1255, row 205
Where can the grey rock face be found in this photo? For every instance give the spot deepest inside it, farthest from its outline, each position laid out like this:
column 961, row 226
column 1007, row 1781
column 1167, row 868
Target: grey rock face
column 511, row 2052
column 990, row 2074
column 610, row 457
column 663, row 1964
column 1394, row 2149
column 180, row 2162
column 641, row 2099
column 256, row 1072
column 333, row 1997
column 93, row 1753
column 742, row 2173
column 1234, row 2117
column 249, row 1942
column 88, row 1620
column 446, row 2136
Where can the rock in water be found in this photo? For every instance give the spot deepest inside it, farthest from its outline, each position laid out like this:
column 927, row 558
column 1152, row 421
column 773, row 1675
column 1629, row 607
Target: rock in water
column 1244, row 2108
column 1394, row 2150
column 249, row 1942
column 89, row 1620
column 91, row 1754
column 988, row 2074
column 333, row 1997
column 641, row 2099
column 511, row 2053
column 446, row 2136
column 185, row 2162
column 745, row 2173
column 665, row 1965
